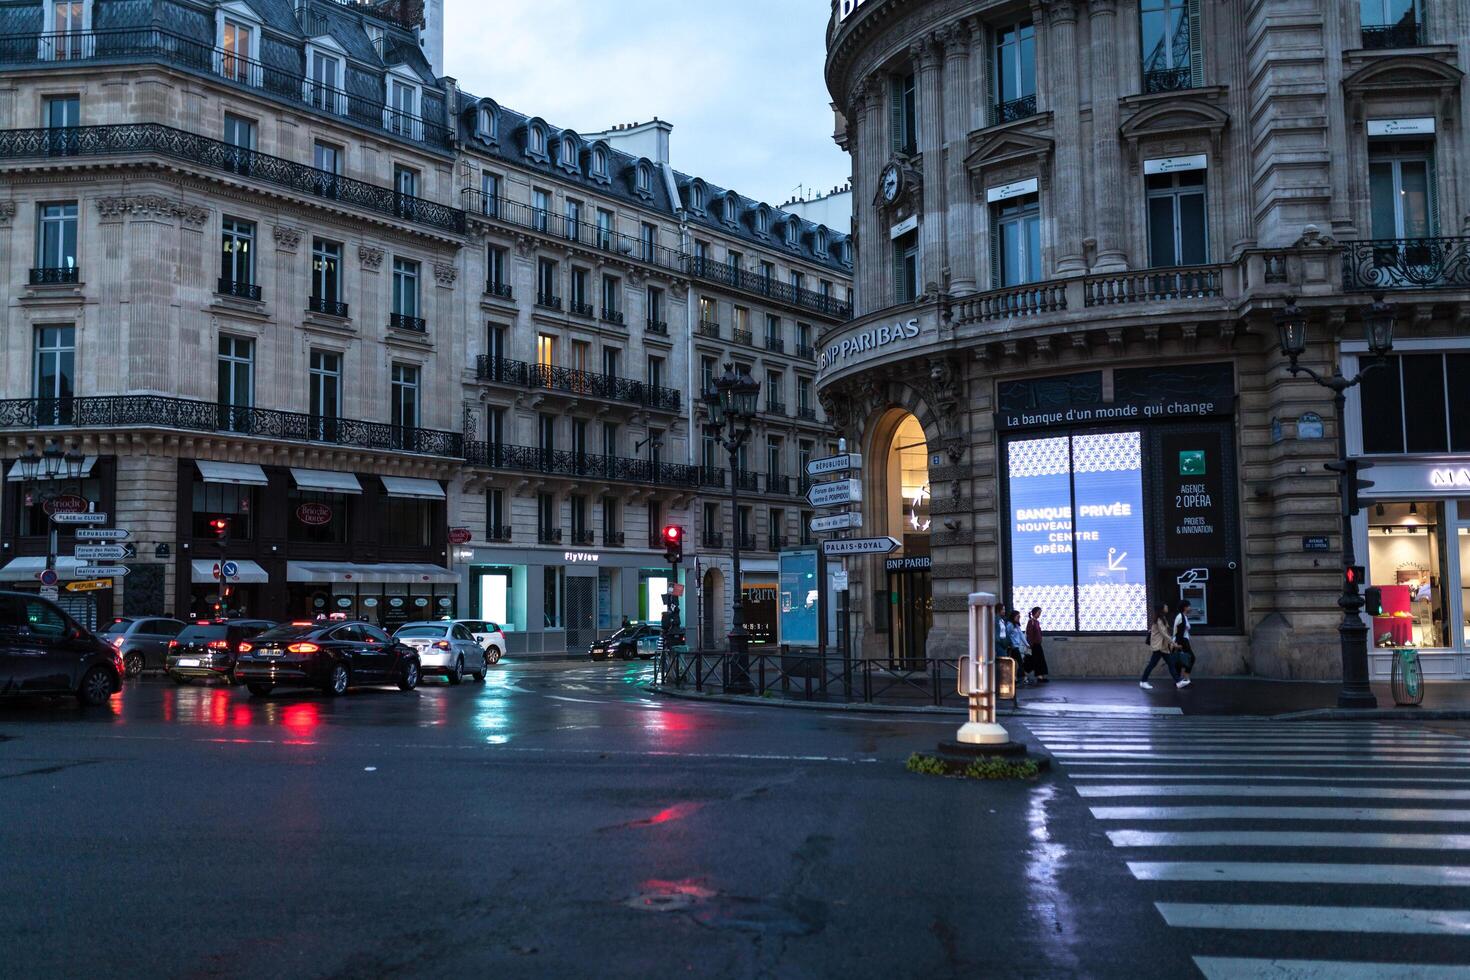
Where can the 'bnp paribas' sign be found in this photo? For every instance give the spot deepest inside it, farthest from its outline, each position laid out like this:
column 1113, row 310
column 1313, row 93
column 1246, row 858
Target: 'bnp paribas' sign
column 846, row 8
column 876, row 338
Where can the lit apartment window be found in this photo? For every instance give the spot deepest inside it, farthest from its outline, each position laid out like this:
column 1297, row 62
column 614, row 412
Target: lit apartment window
column 237, row 51
column 66, row 26
column 707, row 310
column 326, row 276
column 237, row 254
column 1177, row 230
column 56, row 243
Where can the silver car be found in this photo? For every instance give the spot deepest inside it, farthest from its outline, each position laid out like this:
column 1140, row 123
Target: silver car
column 489, row 635
column 446, row 649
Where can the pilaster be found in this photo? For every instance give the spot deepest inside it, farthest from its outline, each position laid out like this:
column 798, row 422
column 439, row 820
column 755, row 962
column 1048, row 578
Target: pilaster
column 926, row 58
column 959, row 219
column 1061, row 42
column 1106, row 169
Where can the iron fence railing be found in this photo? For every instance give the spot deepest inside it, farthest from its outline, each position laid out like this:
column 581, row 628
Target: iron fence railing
column 558, row 462
column 708, row 328
column 327, row 307
column 57, row 276
column 743, row 337
column 712, row 539
column 403, row 321
column 1404, row 33
column 571, row 381
column 1168, row 80
column 1406, row 263
column 1010, row 111
column 237, row 289
column 659, row 327
column 812, row 675
column 501, row 289
column 520, row 215
column 711, row 476
column 760, row 285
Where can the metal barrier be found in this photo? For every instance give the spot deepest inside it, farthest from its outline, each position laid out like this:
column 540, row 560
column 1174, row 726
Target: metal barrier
column 812, row 676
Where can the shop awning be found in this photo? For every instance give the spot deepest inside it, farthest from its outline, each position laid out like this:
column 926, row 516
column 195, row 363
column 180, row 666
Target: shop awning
column 329, row 481
column 407, row 486
column 87, row 464
column 26, row 569
column 377, row 574
column 250, row 572
column 240, row 474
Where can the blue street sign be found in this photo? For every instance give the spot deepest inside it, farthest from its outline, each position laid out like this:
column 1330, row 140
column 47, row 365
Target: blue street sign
column 230, row 570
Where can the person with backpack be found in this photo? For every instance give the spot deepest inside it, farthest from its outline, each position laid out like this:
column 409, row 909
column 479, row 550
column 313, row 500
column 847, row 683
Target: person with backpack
column 1161, row 645
column 1035, row 658
column 1183, row 651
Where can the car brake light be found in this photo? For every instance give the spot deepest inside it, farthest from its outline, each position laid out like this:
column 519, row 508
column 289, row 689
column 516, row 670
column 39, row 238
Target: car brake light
column 246, row 647
column 117, row 641
column 171, row 644
column 303, row 648
column 442, row 645
column 218, row 644
column 303, row 622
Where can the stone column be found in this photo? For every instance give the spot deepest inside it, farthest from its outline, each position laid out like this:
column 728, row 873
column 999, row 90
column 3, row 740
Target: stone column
column 868, row 140
column 1106, row 168
column 979, row 86
column 959, row 223
column 925, row 57
column 1061, row 95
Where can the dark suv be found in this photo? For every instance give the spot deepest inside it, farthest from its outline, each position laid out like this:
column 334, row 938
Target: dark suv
column 208, row 648
column 44, row 651
column 142, row 641
column 633, row 640
column 332, row 656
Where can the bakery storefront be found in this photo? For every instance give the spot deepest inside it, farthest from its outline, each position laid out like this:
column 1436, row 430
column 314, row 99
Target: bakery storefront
column 1121, row 493
column 1411, row 420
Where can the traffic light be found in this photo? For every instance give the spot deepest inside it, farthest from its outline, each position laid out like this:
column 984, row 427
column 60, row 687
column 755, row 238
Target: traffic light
column 1347, row 473
column 673, row 537
column 221, row 528
column 1373, row 601
column 1352, row 577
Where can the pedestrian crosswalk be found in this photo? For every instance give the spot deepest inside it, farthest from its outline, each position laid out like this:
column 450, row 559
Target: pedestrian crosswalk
column 1286, row 849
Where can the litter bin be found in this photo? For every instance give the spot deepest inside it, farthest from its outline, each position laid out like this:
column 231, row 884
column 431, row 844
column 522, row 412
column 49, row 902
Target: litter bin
column 1407, row 680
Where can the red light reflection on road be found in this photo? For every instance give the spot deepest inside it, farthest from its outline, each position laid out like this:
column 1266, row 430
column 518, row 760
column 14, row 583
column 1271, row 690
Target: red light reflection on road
column 301, row 719
column 241, row 717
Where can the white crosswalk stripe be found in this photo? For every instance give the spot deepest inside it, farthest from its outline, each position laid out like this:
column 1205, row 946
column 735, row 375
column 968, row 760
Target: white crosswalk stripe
column 1258, row 838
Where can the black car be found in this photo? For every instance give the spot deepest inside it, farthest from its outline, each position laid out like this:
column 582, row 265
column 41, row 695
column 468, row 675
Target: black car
column 208, row 647
column 44, row 651
column 332, row 656
column 633, row 640
column 143, row 641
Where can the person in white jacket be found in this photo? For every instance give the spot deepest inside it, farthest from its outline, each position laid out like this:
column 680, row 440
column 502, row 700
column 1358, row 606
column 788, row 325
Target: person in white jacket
column 1184, row 653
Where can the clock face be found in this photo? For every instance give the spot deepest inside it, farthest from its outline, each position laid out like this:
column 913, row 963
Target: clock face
column 890, row 183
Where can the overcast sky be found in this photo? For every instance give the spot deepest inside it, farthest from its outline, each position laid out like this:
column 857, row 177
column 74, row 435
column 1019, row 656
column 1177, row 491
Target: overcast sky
column 741, row 82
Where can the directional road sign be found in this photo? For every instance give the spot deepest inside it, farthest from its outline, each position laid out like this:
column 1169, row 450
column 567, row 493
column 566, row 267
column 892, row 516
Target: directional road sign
column 102, row 534
column 230, row 570
column 103, row 571
column 95, row 585
column 837, row 522
column 93, row 552
column 79, row 518
column 861, row 546
column 835, row 494
column 841, row 463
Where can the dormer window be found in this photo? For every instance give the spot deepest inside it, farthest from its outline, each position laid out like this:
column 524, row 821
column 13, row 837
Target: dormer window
column 844, row 252
column 729, row 210
column 599, row 162
column 822, row 242
column 237, row 44
column 401, row 117
column 536, row 140
column 793, row 233
column 643, row 179
column 566, row 152
column 762, row 220
column 696, row 197
column 323, row 89
column 68, row 22
column 487, row 124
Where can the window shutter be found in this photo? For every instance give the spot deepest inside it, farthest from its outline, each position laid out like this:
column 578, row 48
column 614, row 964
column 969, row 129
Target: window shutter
column 1433, row 190
column 898, row 283
column 995, row 279
column 1196, row 47
column 895, row 113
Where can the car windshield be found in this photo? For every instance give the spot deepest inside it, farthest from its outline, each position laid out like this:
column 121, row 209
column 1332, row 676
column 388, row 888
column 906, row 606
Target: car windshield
column 287, row 632
column 193, row 634
column 435, row 629
column 626, row 633
column 117, row 626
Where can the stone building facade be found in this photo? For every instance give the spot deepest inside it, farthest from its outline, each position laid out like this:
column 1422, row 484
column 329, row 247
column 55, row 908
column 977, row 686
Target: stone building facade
column 1075, row 223
column 250, row 246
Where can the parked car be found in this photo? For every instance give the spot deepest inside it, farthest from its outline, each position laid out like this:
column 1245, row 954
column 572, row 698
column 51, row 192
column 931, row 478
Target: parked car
column 445, row 648
column 44, row 651
column 208, row 647
column 488, row 635
column 143, row 641
column 633, row 640
column 332, row 656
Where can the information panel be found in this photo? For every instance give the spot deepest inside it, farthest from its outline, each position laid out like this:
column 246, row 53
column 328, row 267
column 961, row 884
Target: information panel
column 800, row 592
column 1107, row 485
column 1040, row 472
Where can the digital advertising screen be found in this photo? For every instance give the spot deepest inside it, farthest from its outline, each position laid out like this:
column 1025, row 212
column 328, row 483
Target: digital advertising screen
column 1107, row 487
column 799, row 599
column 1039, row 475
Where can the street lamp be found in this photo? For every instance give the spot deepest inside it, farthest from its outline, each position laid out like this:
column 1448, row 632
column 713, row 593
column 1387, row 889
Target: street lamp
column 731, row 404
column 1378, row 322
column 51, row 463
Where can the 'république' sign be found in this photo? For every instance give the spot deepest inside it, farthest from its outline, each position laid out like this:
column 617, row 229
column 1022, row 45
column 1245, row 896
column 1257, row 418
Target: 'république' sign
column 846, row 8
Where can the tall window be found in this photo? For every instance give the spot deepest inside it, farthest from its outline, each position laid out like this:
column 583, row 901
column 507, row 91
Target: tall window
column 1392, row 23
column 579, row 291
column 604, row 229
column 612, row 301
column 326, row 277
column 803, row 337
column 656, row 372
column 545, row 350
column 906, row 268
column 707, row 373
column 579, row 436
column 804, row 450
column 67, row 29
column 1171, row 45
column 903, row 114
column 574, row 220
column 404, row 395
column 610, row 521
column 546, row 283
column 647, row 241
column 773, row 456
column 240, row 131
column 655, row 305
column 775, row 393
column 1401, row 190
column 707, row 313
column 403, row 109
column 804, row 402
column 495, row 269
column 1015, row 72
column 325, row 393
column 324, row 89
column 327, row 157
column 609, row 438
column 56, row 241
column 63, row 111
column 490, row 194
column 237, row 247
column 547, row 519
column 1016, row 240
column 236, row 372
column 1177, row 232
column 773, row 332
column 495, row 426
column 611, row 361
column 495, row 514
column 405, row 287
column 236, row 42
column 540, row 209
column 579, row 518
column 53, row 372
column 546, row 433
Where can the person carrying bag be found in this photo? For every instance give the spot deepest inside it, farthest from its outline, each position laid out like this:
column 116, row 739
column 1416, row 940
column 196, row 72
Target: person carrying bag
column 1161, row 645
column 1184, row 652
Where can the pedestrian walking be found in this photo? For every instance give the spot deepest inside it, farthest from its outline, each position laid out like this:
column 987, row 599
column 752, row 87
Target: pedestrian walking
column 1035, row 657
column 1003, row 647
column 1183, row 651
column 1161, row 643
column 1017, row 637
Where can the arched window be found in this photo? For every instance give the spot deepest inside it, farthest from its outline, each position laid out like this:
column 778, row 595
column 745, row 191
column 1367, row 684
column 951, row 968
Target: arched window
column 599, row 162
column 536, row 139
column 568, row 153
column 696, row 196
column 730, row 209
column 644, row 178
column 822, row 241
column 762, row 220
column 793, row 232
column 485, row 123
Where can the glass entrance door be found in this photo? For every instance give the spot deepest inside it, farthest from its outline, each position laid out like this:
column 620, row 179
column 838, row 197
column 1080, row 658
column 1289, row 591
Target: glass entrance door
column 913, row 614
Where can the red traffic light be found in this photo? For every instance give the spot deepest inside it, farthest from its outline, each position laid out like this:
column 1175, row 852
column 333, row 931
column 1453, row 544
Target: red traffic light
column 1353, row 575
column 673, row 534
column 220, row 526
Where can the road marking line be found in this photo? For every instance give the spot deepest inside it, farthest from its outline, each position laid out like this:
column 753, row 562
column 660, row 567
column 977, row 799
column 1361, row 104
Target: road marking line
column 1232, row 777
column 1289, row 838
column 1317, row 918
column 1304, row 874
column 1252, row 741
column 1237, row 789
column 1424, row 757
column 1395, row 814
column 1242, row 968
column 1079, row 707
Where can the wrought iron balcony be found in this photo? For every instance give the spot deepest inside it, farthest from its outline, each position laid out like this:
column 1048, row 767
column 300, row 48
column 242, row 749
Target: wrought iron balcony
column 712, row 476
column 806, row 413
column 583, row 536
column 803, row 484
column 775, row 542
column 806, row 353
column 327, row 307
column 499, row 532
column 239, row 290
column 1406, row 263
column 711, row 539
column 158, row 411
column 747, row 541
column 759, row 285
column 152, row 139
column 745, row 337
column 1407, row 32
column 708, row 328
column 774, row 407
column 775, row 344
column 402, row 321
column 748, row 480
column 613, row 539
column 1168, row 80
column 58, row 276
column 555, row 462
column 660, row 327
column 612, row 316
column 548, row 535
column 363, row 106
column 1010, row 111
column 807, row 538
column 519, row 215
column 583, row 383
column 581, row 309
column 502, row 290
column 548, row 300
column 776, row 483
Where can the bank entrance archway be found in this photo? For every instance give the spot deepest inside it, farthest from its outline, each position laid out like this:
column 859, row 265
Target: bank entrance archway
column 904, row 606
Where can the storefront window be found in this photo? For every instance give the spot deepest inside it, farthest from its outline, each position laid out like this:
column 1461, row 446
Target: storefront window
column 1406, row 561
column 406, row 522
column 228, row 500
column 38, row 501
column 317, row 518
column 500, row 595
column 552, row 577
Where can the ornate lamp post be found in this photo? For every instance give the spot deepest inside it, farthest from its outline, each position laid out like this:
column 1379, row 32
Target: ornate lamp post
column 1378, row 321
column 732, row 405
column 51, row 463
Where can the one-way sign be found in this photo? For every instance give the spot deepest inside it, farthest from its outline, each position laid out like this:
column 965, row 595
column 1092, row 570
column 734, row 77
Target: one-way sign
column 860, row 546
column 835, row 494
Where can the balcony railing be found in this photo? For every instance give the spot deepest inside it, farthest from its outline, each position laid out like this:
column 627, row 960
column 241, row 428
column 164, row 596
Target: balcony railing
column 708, row 328
column 612, row 316
column 712, row 477
column 803, row 484
column 747, row 542
column 760, row 285
column 573, row 382
column 1168, row 80
column 748, row 480
column 158, row 411
column 776, row 344
column 1185, row 282
column 776, row 483
column 1406, row 33
column 502, row 290
column 506, row 211
column 660, row 327
column 1005, row 112
column 711, row 539
column 59, row 276
column 806, row 413
column 1406, row 263
column 548, row 535
column 499, row 532
column 775, row 542
column 556, row 462
column 774, row 407
column 583, row 536
column 152, row 139
column 613, row 539
column 581, row 309
column 402, row 321
column 327, row 307
column 806, row 353
column 239, row 290
column 548, row 300
column 361, row 106
column 740, row 336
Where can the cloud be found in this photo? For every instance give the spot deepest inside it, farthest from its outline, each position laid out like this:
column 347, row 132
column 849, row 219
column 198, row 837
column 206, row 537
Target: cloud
column 741, row 83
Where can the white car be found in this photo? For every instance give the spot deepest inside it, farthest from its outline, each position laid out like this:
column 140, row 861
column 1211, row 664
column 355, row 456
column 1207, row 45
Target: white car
column 488, row 635
column 445, row 648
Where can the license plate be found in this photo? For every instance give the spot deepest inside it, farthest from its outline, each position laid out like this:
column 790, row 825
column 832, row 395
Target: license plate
column 188, row 661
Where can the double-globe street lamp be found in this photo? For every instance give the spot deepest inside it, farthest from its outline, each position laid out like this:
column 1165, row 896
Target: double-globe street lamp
column 51, row 463
column 731, row 403
column 1378, row 321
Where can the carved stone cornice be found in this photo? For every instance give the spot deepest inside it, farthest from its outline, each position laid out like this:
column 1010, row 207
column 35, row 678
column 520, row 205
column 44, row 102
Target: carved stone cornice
column 287, row 239
column 370, row 256
column 445, row 274
column 954, row 41
column 151, row 206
